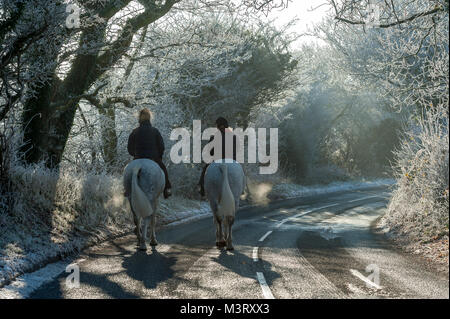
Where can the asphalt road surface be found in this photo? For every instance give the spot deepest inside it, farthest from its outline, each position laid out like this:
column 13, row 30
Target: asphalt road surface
column 316, row 247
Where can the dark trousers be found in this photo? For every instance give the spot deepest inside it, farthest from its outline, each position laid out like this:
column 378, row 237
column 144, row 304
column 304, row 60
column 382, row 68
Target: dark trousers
column 166, row 174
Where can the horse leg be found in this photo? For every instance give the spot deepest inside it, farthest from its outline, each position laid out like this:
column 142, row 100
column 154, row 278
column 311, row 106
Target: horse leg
column 135, row 218
column 217, row 223
column 229, row 220
column 225, row 232
column 219, row 236
column 153, row 241
column 139, row 231
column 145, row 221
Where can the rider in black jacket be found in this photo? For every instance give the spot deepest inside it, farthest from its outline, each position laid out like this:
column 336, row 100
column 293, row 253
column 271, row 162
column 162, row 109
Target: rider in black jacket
column 222, row 125
column 146, row 142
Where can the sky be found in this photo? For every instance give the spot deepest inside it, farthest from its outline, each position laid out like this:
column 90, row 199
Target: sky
column 301, row 9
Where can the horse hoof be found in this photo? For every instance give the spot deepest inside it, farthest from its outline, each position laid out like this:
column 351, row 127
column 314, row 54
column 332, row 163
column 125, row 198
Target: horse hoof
column 220, row 243
column 153, row 243
column 230, row 248
column 143, row 247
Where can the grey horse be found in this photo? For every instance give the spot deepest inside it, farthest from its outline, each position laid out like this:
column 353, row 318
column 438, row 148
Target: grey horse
column 144, row 182
column 224, row 184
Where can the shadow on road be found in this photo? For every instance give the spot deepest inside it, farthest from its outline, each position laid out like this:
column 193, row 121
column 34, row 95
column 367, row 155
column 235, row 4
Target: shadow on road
column 244, row 266
column 138, row 265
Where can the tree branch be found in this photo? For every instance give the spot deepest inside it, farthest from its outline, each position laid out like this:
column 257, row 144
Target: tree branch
column 398, row 22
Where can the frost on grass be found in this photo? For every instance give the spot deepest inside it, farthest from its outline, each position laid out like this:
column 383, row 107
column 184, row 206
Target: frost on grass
column 56, row 214
column 419, row 206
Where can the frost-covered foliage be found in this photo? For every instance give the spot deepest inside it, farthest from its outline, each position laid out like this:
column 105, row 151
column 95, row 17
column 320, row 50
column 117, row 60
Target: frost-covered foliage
column 184, row 67
column 35, row 46
column 66, row 200
column 256, row 70
column 405, row 56
column 54, row 214
column 329, row 131
column 405, row 53
column 48, row 63
column 420, row 204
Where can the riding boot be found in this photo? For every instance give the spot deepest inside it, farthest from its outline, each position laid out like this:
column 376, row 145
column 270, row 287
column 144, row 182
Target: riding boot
column 167, row 188
column 201, row 182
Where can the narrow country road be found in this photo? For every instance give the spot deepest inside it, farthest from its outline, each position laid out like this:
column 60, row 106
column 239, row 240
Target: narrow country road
column 316, row 247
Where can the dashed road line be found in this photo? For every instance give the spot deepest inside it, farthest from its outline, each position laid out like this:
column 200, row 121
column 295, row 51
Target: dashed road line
column 282, row 222
column 304, row 213
column 262, row 281
column 255, row 254
column 313, row 210
column 265, row 235
column 358, row 199
column 267, row 293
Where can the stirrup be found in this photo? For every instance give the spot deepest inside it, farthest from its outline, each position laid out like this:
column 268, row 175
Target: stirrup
column 167, row 193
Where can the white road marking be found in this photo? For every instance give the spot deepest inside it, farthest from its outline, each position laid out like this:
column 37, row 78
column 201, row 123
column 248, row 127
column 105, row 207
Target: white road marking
column 312, row 210
column 365, row 279
column 282, row 222
column 267, row 293
column 304, row 213
column 255, row 254
column 355, row 200
column 265, row 235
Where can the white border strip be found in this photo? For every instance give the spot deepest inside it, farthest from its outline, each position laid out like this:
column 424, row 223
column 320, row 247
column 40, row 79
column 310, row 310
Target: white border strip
column 23, row 286
column 267, row 293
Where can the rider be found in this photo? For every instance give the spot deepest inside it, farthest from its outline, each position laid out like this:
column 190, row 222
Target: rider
column 146, row 142
column 222, row 125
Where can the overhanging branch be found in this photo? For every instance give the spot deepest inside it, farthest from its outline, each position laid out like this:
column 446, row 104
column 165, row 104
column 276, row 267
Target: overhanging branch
column 398, row 22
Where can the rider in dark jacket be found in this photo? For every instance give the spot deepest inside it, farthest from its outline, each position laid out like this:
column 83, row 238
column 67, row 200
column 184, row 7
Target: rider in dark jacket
column 222, row 125
column 146, row 142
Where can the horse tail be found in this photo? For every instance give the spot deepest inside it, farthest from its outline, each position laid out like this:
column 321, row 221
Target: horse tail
column 139, row 200
column 226, row 203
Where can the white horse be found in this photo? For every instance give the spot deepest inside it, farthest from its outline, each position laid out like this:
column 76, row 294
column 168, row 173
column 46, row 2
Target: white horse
column 144, row 182
column 224, row 184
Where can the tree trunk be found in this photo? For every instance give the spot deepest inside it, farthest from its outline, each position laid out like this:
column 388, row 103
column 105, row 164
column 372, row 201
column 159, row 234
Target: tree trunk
column 48, row 117
column 109, row 136
column 37, row 120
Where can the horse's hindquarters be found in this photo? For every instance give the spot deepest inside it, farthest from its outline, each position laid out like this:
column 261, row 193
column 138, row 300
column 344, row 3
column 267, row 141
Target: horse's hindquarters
column 214, row 177
column 144, row 182
column 151, row 178
column 224, row 184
